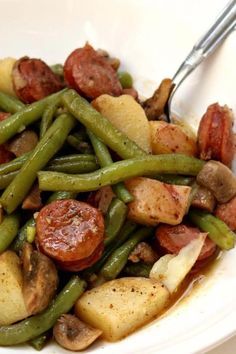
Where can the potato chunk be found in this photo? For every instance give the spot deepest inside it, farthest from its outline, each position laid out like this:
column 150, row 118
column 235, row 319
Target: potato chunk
column 12, row 305
column 156, row 202
column 171, row 138
column 120, row 306
column 126, row 115
column 6, row 66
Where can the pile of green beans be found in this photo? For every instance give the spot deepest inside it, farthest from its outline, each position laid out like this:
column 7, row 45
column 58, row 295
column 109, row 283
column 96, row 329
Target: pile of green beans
column 26, row 116
column 34, row 326
column 44, row 151
column 120, row 171
column 104, row 159
column 118, row 259
column 88, row 170
column 100, row 126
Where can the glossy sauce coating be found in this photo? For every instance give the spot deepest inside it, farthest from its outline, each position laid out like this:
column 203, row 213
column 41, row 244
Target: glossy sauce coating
column 91, row 74
column 33, row 80
column 71, row 232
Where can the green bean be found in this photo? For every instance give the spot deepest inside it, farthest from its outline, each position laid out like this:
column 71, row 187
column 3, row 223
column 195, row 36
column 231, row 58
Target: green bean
column 34, row 326
column 217, row 230
column 5, row 180
column 100, row 126
column 175, row 179
column 22, row 235
column 52, row 141
column 39, row 342
column 118, row 259
column 47, row 118
column 8, row 231
column 79, row 145
column 30, row 234
column 104, row 159
column 125, row 79
column 73, row 167
column 122, row 193
column 13, row 165
column 120, row 171
column 10, row 104
column 26, row 116
column 115, row 218
column 57, row 69
column 17, row 163
column 73, row 158
column 101, row 151
column 61, row 195
column 138, row 270
column 127, row 229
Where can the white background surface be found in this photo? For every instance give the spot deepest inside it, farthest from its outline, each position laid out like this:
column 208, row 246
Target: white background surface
column 151, row 37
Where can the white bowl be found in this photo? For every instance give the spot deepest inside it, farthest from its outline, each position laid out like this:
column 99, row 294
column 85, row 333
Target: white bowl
column 151, row 38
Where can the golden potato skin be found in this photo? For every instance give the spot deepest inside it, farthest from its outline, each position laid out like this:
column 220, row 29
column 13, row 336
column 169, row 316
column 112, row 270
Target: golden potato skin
column 156, row 202
column 12, row 305
column 120, row 306
column 6, row 66
column 126, row 115
column 169, row 138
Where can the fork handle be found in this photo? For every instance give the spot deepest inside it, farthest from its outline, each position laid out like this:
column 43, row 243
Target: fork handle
column 224, row 24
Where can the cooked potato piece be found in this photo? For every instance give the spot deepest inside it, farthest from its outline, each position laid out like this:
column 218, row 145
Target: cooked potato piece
column 6, row 66
column 156, row 202
column 12, row 306
column 126, row 115
column 171, row 138
column 120, row 306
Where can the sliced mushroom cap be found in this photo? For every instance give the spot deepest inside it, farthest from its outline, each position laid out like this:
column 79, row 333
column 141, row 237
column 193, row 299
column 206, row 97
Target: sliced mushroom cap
column 219, row 179
column 73, row 334
column 40, row 279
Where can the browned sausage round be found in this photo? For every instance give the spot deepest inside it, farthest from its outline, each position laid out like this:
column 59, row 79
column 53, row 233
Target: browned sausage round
column 173, row 238
column 215, row 134
column 90, row 74
column 70, row 232
column 34, row 80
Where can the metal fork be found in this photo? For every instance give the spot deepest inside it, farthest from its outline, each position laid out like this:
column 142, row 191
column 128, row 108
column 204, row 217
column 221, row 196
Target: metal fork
column 223, row 26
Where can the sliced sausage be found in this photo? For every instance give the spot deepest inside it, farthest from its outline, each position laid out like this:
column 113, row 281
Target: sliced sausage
column 227, row 213
column 70, row 232
column 215, row 134
column 91, row 74
column 172, row 238
column 33, row 80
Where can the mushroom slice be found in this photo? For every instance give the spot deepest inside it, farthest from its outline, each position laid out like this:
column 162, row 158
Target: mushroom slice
column 73, row 334
column 219, row 179
column 40, row 279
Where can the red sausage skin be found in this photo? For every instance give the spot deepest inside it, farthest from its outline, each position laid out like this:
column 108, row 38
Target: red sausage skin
column 70, row 232
column 90, row 74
